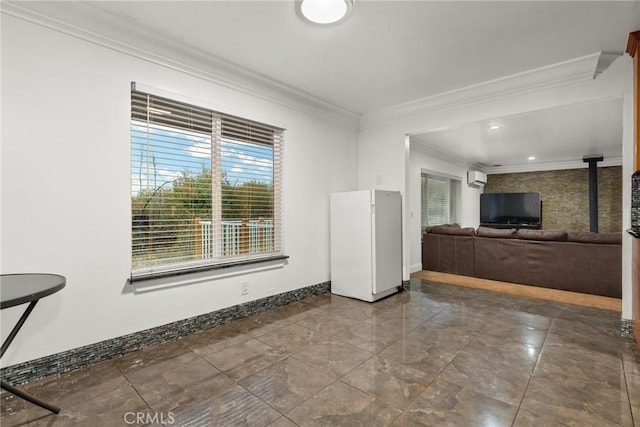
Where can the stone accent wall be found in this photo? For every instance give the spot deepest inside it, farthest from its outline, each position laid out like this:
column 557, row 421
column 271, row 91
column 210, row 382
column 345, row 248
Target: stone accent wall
column 635, row 200
column 565, row 196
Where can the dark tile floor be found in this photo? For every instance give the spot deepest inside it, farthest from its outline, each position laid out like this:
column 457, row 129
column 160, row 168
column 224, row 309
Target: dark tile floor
column 434, row 355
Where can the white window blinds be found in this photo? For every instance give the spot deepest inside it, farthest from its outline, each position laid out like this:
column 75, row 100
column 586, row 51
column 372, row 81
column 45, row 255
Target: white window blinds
column 205, row 187
column 437, row 200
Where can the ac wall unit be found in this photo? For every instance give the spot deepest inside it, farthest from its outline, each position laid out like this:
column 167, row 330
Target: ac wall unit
column 476, row 178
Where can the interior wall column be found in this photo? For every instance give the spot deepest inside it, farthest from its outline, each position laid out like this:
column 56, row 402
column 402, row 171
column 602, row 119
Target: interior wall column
column 633, row 49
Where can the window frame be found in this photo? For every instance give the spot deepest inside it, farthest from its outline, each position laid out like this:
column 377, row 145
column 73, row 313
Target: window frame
column 452, row 197
column 221, row 135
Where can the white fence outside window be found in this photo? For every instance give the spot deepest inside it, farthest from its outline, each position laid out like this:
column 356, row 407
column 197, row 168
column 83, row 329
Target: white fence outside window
column 259, row 237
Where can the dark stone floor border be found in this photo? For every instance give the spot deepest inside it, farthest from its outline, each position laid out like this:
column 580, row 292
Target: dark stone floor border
column 626, row 328
column 82, row 357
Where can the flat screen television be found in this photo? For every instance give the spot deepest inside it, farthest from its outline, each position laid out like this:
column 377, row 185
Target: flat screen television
column 510, row 209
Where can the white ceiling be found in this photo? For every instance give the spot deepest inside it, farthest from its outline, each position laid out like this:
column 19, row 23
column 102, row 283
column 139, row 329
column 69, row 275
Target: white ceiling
column 556, row 135
column 386, row 53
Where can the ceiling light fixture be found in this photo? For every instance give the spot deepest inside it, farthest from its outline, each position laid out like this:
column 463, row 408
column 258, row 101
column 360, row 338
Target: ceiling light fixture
column 324, row 12
column 531, row 158
column 494, row 127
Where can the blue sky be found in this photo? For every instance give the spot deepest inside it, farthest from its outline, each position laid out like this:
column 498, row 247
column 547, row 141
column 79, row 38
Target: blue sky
column 179, row 151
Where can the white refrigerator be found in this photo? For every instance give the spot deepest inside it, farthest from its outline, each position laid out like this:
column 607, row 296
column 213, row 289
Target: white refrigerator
column 366, row 243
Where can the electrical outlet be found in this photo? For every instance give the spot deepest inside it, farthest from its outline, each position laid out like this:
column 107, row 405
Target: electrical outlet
column 244, row 288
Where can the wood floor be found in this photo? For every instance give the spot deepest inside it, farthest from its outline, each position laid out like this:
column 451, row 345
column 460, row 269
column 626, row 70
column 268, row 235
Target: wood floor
column 586, row 300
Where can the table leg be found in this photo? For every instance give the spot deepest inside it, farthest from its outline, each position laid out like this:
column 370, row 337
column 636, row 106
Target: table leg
column 5, row 385
column 17, row 327
column 25, row 396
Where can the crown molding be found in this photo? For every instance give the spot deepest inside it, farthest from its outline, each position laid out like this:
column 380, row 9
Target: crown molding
column 105, row 29
column 604, row 61
column 417, row 145
column 537, row 167
column 572, row 71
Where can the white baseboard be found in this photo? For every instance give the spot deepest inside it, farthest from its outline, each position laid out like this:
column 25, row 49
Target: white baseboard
column 415, row 267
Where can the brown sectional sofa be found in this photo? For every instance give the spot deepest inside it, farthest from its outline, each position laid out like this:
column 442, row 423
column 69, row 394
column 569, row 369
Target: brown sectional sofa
column 581, row 262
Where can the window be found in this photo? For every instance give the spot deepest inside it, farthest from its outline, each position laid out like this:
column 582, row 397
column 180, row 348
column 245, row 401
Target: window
column 439, row 200
column 205, row 188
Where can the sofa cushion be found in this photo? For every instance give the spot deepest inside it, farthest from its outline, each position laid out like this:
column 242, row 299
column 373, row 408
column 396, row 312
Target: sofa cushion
column 606, row 270
column 546, row 235
column 456, row 254
column 455, row 231
column 431, row 227
column 431, row 252
column 603, row 238
column 541, row 259
column 505, row 233
column 574, row 268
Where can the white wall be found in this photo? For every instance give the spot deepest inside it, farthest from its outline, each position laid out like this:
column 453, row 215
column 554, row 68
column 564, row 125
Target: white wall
column 382, row 133
column 65, row 176
column 382, row 160
column 386, row 161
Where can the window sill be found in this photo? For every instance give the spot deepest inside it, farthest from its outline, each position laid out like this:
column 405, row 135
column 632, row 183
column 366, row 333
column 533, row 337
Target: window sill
column 146, row 282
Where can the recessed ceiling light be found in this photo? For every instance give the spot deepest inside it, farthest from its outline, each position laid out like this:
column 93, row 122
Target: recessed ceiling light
column 531, row 158
column 324, row 11
column 494, row 127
